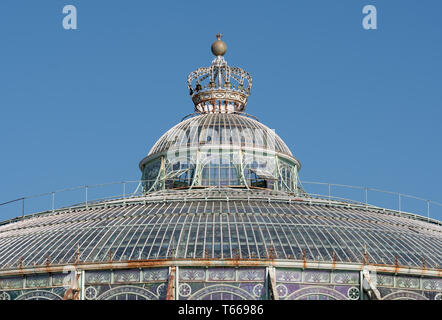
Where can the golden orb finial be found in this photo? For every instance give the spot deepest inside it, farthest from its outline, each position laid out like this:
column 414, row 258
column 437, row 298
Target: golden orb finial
column 219, row 47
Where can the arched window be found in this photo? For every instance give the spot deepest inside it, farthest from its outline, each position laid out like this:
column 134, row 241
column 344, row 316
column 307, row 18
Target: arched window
column 150, row 173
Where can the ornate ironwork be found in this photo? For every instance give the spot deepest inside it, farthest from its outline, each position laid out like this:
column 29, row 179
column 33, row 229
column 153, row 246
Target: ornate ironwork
column 219, row 88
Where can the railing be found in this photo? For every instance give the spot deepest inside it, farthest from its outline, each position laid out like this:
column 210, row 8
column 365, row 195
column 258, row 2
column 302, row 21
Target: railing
column 374, row 197
column 89, row 194
column 234, row 112
column 70, row 197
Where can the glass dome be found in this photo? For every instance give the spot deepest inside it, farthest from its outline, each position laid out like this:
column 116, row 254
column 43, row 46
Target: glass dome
column 221, row 217
column 220, row 149
column 221, row 129
column 219, row 223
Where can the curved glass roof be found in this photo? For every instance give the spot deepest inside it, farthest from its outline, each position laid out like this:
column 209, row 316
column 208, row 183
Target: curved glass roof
column 222, row 224
column 220, row 129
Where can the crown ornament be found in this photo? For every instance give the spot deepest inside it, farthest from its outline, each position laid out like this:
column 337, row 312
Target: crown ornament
column 219, row 88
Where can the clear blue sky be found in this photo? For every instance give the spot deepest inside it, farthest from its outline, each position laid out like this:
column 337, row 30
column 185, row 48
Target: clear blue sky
column 355, row 107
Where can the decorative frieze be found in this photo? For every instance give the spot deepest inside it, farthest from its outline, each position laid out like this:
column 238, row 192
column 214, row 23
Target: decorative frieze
column 251, row 274
column 125, row 276
column 317, row 276
column 192, row 274
column 11, row 283
column 155, row 274
column 37, row 281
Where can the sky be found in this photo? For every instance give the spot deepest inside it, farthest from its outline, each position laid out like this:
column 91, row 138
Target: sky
column 356, row 107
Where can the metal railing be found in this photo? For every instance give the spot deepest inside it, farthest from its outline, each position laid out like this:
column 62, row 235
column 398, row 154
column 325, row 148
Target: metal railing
column 395, row 197
column 82, row 198
column 90, row 194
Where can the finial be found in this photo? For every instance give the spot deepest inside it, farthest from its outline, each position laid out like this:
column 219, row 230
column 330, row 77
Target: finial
column 219, row 47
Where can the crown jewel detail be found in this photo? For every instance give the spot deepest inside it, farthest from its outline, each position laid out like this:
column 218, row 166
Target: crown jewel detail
column 219, row 88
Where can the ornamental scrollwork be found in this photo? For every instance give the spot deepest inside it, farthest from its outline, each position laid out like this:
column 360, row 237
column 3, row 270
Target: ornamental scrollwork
column 127, row 276
column 221, row 274
column 282, row 290
column 317, row 276
column 251, row 274
column 98, row 277
column 11, row 283
column 90, row 293
column 185, row 290
column 5, row 296
column 346, row 278
column 288, row 276
column 37, row 281
column 155, row 274
column 258, row 290
column 407, row 282
column 162, row 290
column 353, row 293
column 432, row 284
column 192, row 274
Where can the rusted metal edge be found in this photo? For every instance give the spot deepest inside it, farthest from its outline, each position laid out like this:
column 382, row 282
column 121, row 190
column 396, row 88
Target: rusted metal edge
column 301, row 264
column 170, row 295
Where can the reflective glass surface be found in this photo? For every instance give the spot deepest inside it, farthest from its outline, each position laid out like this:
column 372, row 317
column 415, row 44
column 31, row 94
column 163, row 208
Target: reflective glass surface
column 220, row 224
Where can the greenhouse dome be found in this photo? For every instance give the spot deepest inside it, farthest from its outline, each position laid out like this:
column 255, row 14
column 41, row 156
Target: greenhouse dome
column 220, row 215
